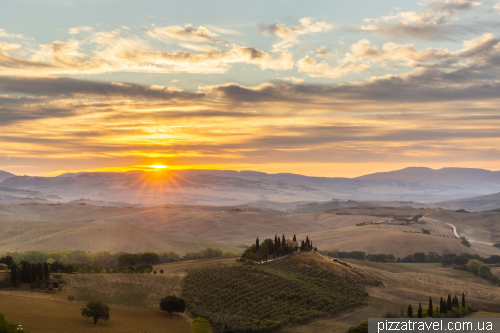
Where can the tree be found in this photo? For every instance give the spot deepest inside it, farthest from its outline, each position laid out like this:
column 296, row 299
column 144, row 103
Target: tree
column 149, row 258
column 448, row 303
column 294, row 238
column 172, row 304
column 419, row 257
column 430, row 310
column 97, row 310
column 161, row 271
column 419, row 310
column 445, row 307
column 226, row 318
column 257, row 245
column 46, row 272
column 410, row 311
column 441, row 309
column 463, row 300
column 13, row 275
column 200, row 325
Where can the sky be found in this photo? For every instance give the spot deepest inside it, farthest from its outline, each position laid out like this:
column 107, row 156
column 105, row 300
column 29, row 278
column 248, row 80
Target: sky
column 320, row 88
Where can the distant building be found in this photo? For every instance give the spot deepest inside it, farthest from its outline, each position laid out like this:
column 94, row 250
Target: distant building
column 4, row 274
column 291, row 243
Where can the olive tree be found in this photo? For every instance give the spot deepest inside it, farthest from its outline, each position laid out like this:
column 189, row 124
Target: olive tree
column 172, row 304
column 97, row 310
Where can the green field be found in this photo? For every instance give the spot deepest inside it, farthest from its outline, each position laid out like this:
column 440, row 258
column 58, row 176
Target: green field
column 181, row 266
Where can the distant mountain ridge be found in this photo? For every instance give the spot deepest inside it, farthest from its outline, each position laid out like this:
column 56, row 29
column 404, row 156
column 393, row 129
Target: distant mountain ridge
column 229, row 187
column 443, row 176
column 5, row 175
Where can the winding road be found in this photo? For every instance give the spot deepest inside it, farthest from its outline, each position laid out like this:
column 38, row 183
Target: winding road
column 454, row 230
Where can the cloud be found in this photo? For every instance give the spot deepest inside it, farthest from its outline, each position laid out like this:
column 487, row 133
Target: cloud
column 496, row 6
column 112, row 52
column 188, row 33
column 432, row 22
column 406, row 55
column 453, row 5
column 293, row 80
column 350, row 64
column 5, row 34
column 289, row 35
column 224, row 31
column 321, row 52
column 77, row 30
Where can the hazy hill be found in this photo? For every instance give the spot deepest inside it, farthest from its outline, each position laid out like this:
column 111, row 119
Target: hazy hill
column 226, row 187
column 478, row 204
column 52, row 227
column 453, row 176
column 5, row 175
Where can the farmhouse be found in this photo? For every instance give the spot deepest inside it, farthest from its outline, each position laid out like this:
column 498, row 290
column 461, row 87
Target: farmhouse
column 4, row 274
column 291, row 244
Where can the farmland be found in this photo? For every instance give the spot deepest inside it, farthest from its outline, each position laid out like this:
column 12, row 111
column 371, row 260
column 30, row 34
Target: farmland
column 46, row 316
column 293, row 290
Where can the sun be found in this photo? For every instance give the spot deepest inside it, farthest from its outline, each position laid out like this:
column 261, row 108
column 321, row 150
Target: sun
column 158, row 166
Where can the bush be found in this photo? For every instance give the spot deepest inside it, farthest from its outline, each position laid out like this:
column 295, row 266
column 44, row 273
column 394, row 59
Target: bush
column 361, row 328
column 200, row 325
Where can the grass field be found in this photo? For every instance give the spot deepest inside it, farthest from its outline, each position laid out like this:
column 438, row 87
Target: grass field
column 136, row 290
column 182, row 266
column 45, row 316
column 421, row 265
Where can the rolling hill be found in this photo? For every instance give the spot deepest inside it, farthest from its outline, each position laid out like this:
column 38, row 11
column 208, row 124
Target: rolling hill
column 226, row 187
column 55, row 227
column 5, row 175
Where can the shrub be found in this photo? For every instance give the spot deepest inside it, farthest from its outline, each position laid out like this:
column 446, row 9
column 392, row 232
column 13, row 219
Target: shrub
column 200, row 325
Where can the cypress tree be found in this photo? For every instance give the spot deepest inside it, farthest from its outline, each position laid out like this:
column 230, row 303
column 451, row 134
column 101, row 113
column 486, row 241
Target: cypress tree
column 463, row 300
column 46, row 270
column 26, row 272
column 307, row 241
column 33, row 272
column 39, row 271
column 410, row 311
column 302, row 246
column 13, row 274
column 457, row 304
column 294, row 238
column 283, row 242
column 257, row 245
column 441, row 306
column 448, row 303
column 312, row 245
column 430, row 310
column 445, row 307
column 419, row 310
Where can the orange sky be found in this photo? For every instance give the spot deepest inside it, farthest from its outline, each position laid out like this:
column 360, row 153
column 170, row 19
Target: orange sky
column 319, row 94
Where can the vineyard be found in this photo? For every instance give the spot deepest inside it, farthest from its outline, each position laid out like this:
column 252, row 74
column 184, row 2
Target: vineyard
column 269, row 296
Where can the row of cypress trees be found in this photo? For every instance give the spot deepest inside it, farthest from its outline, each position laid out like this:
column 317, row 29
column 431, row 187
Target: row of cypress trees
column 444, row 306
column 28, row 273
column 279, row 246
